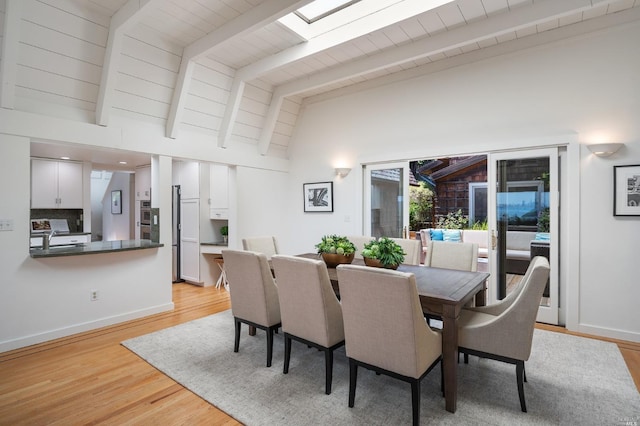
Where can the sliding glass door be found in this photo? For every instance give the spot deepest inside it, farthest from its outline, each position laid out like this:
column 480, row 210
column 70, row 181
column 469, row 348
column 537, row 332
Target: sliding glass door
column 524, row 218
column 387, row 200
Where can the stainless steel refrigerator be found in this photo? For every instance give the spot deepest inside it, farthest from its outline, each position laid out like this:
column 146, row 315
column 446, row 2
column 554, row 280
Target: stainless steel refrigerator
column 175, row 232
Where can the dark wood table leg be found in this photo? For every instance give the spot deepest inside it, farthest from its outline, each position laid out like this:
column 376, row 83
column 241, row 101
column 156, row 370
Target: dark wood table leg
column 450, row 356
column 252, row 330
column 481, row 296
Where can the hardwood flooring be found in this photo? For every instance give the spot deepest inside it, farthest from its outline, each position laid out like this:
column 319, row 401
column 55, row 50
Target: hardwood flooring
column 89, row 378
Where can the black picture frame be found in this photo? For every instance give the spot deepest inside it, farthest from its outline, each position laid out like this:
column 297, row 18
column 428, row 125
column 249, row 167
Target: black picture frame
column 318, row 197
column 116, row 202
column 626, row 190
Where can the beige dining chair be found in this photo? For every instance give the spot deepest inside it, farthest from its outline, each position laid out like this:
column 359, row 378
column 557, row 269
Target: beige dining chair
column 445, row 254
column 310, row 310
column 505, row 333
column 411, row 249
column 384, row 330
column 254, row 295
column 359, row 241
column 266, row 245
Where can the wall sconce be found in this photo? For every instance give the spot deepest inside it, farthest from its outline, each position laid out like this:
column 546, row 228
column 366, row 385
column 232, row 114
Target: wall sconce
column 342, row 171
column 605, row 149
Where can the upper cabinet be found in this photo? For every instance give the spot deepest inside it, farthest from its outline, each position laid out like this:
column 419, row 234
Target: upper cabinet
column 56, row 184
column 219, row 192
column 143, row 183
column 188, row 173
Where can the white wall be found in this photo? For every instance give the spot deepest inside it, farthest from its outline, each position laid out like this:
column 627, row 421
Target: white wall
column 117, row 226
column 42, row 299
column 586, row 87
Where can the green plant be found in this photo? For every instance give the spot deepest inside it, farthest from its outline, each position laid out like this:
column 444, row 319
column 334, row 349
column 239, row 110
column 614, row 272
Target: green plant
column 224, row 230
column 420, row 205
column 453, row 220
column 480, row 226
column 543, row 220
column 387, row 251
column 336, row 244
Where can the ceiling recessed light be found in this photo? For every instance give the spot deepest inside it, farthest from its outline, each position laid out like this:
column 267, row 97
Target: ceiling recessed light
column 122, row 162
column 64, row 158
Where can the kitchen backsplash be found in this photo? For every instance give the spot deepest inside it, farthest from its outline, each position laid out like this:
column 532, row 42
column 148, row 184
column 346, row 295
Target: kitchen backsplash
column 73, row 216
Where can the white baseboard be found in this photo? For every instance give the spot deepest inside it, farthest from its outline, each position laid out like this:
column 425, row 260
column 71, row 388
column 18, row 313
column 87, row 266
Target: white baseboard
column 611, row 333
column 33, row 339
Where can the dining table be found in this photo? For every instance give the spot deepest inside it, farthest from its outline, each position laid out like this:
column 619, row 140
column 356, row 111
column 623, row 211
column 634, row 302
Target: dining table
column 443, row 292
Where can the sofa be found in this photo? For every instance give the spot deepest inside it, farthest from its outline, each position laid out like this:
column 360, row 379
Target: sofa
column 518, row 244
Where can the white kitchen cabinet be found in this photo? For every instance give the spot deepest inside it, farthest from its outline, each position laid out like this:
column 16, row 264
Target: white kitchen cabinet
column 219, row 192
column 143, row 183
column 56, row 184
column 59, row 240
column 188, row 173
column 190, row 240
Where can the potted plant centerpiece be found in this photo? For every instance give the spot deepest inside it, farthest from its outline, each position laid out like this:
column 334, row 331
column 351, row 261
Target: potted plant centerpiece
column 224, row 231
column 336, row 249
column 383, row 253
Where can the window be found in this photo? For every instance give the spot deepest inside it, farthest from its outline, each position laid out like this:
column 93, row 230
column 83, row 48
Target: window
column 319, row 9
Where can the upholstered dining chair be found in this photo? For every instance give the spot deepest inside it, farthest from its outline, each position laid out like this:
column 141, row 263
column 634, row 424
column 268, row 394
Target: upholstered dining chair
column 266, row 245
column 254, row 295
column 385, row 330
column 310, row 310
column 505, row 332
column 359, row 241
column 411, row 249
column 446, row 254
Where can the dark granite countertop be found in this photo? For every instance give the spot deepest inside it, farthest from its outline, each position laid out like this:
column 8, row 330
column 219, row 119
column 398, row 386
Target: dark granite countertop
column 214, row 243
column 94, row 247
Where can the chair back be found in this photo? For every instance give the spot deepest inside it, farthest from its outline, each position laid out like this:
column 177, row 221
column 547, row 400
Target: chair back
column 383, row 321
column 266, row 245
column 359, row 241
column 411, row 248
column 445, row 254
column 308, row 305
column 254, row 295
column 510, row 334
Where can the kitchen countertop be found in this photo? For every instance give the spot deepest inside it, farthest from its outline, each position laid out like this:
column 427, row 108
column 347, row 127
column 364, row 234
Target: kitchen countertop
column 94, row 247
column 215, row 243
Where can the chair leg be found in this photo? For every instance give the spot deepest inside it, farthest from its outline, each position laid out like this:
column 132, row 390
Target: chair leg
column 287, row 353
column 524, row 372
column 415, row 401
column 466, row 358
column 236, row 345
column 269, row 346
column 328, row 365
column 353, row 378
column 520, row 377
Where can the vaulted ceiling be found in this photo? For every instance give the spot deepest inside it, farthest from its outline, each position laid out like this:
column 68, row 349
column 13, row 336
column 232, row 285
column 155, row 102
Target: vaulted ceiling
column 231, row 69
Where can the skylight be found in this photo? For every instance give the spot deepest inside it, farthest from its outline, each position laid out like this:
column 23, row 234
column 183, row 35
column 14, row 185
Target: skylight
column 341, row 20
column 321, row 8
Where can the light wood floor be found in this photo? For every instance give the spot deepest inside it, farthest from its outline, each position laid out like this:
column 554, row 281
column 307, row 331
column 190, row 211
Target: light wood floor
column 90, row 378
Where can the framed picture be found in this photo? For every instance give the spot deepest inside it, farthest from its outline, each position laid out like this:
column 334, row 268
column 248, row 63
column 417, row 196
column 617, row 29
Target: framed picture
column 116, row 202
column 318, row 197
column 626, row 190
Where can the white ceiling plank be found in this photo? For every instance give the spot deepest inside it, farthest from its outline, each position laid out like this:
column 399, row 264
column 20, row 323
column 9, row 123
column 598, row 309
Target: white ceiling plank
column 129, row 14
column 10, row 46
column 495, row 26
column 251, row 20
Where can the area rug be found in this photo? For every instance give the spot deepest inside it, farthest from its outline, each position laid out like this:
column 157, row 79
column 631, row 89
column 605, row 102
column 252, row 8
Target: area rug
column 571, row 380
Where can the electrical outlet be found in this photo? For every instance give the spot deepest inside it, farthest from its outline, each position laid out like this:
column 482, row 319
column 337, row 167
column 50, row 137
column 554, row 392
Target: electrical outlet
column 94, row 295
